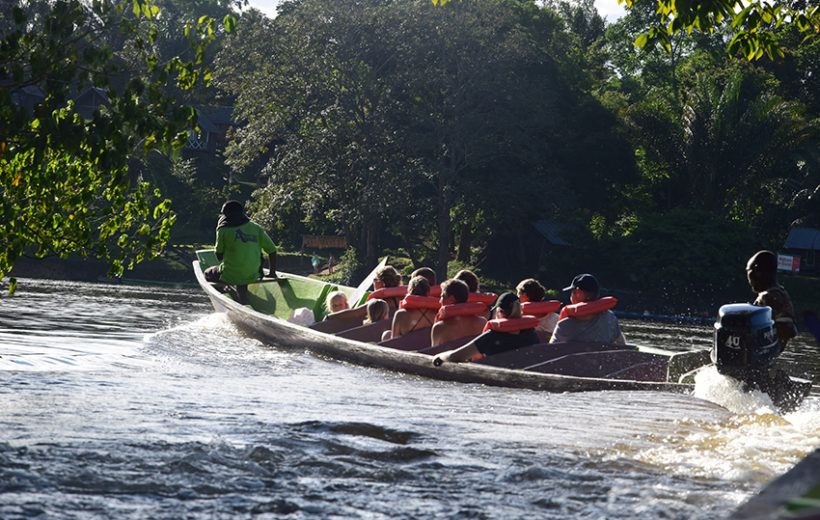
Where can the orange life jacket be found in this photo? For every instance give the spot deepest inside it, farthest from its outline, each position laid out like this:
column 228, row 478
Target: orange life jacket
column 435, row 291
column 414, row 301
column 388, row 292
column 588, row 308
column 487, row 298
column 460, row 309
column 511, row 324
column 540, row 309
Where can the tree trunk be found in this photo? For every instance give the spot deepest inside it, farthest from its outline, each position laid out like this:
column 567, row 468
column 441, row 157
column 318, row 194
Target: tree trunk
column 372, row 242
column 445, row 232
column 465, row 243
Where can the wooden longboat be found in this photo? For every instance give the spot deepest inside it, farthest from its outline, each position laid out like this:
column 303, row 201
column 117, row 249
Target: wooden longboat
column 567, row 367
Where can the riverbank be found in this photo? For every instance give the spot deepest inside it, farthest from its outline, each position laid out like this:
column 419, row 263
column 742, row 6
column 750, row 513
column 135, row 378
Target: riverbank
column 174, row 268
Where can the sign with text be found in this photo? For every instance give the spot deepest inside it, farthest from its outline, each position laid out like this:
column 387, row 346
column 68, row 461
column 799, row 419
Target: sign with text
column 788, row 263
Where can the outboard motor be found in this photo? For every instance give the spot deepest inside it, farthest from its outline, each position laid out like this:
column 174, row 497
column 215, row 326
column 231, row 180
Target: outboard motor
column 745, row 344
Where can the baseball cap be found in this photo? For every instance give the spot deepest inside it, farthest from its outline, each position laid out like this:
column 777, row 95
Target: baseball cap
column 586, row 282
column 505, row 302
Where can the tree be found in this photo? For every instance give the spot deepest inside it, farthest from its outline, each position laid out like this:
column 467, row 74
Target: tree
column 309, row 84
column 754, row 24
column 736, row 148
column 64, row 172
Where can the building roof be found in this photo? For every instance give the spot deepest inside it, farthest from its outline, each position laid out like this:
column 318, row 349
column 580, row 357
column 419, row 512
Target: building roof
column 210, row 118
column 803, row 238
column 551, row 230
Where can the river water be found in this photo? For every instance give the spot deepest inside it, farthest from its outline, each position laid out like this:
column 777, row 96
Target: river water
column 141, row 402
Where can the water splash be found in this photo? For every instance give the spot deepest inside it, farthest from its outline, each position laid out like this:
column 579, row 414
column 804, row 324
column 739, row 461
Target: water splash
column 730, row 394
column 756, row 444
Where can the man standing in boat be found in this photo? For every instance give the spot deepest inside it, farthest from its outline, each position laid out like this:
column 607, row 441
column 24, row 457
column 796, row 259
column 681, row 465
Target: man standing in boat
column 761, row 271
column 589, row 317
column 239, row 246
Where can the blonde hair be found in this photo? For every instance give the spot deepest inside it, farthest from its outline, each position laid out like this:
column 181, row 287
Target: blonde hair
column 333, row 296
column 376, row 310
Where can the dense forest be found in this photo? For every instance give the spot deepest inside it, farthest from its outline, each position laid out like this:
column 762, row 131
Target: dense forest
column 444, row 132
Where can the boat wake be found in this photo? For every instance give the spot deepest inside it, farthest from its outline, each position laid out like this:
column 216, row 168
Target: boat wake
column 730, row 394
column 756, row 444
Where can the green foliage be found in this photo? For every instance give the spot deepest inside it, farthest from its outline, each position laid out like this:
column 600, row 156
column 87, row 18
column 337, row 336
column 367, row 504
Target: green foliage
column 351, row 269
column 679, row 256
column 66, row 185
column 361, row 126
column 753, row 24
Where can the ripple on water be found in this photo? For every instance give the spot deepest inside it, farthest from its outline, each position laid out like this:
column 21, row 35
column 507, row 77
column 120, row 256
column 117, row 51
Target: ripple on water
column 186, row 417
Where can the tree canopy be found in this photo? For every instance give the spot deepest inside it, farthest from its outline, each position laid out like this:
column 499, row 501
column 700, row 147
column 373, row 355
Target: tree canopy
column 82, row 89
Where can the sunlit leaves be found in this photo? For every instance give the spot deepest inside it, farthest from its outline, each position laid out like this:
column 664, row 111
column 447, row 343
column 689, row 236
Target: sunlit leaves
column 752, row 23
column 64, row 177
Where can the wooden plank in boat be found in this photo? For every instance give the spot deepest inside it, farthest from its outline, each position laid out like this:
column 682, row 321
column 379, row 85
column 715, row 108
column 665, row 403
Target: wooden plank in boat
column 598, row 364
column 370, row 333
column 652, row 370
column 336, row 325
column 534, row 354
column 416, row 340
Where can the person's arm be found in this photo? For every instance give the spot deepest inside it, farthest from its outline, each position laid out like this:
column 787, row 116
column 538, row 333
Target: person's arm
column 468, row 351
column 556, row 334
column 219, row 247
column 395, row 329
column 436, row 334
column 272, row 264
column 620, row 340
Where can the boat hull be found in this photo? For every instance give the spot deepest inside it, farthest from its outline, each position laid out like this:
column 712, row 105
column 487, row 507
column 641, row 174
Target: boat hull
column 283, row 334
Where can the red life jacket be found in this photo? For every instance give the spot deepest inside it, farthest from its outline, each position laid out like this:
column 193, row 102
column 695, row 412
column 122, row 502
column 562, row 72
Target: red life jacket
column 588, row 308
column 435, row 291
column 511, row 324
column 414, row 301
column 540, row 309
column 487, row 298
column 460, row 309
column 389, row 292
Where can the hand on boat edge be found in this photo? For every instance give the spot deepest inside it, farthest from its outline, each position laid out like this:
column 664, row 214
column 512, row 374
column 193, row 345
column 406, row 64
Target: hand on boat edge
column 440, row 359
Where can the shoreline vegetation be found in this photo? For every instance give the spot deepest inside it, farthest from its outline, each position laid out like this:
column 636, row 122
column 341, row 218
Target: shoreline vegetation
column 174, row 268
column 532, row 140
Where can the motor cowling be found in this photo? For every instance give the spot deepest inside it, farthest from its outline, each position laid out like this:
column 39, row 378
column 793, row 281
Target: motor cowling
column 745, row 342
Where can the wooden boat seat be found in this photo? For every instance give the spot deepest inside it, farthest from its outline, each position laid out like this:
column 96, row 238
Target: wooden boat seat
column 336, row 325
column 415, row 340
column 612, row 364
column 370, row 333
column 534, row 354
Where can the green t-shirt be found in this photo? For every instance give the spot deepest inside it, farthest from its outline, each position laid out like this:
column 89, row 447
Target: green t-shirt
column 242, row 248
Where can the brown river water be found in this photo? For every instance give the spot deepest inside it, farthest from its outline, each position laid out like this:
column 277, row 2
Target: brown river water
column 141, row 402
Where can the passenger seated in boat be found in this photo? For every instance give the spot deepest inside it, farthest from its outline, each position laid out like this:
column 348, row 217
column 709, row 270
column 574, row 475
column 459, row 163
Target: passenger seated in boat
column 336, row 301
column 430, row 275
column 471, row 279
column 387, row 280
column 761, row 271
column 377, row 310
column 456, row 318
column 427, row 273
column 239, row 246
column 530, row 290
column 416, row 311
column 509, row 330
column 589, row 317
